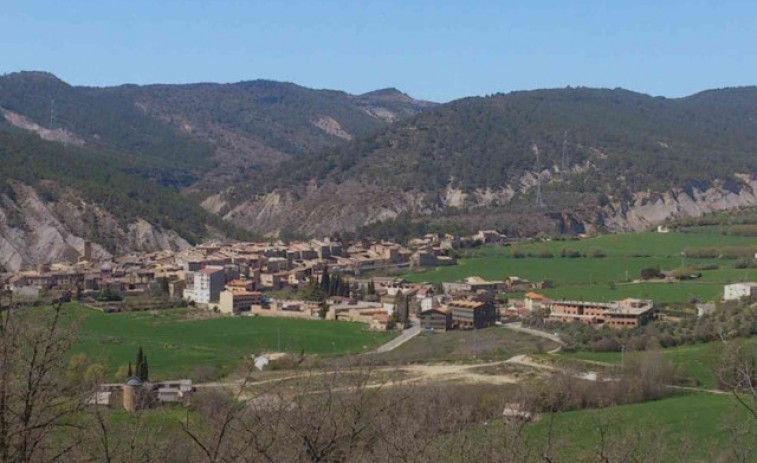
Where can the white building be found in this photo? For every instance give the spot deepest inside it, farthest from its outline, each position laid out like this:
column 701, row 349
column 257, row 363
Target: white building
column 736, row 291
column 208, row 284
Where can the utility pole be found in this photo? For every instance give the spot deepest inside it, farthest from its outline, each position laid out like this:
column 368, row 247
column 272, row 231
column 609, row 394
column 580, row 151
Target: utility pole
column 622, row 355
column 475, row 340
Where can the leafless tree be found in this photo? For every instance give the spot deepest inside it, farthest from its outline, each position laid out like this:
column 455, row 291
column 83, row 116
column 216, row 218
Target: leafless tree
column 36, row 400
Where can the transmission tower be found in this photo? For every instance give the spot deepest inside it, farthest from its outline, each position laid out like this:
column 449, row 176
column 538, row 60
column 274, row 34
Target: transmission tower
column 564, row 167
column 539, row 197
column 52, row 114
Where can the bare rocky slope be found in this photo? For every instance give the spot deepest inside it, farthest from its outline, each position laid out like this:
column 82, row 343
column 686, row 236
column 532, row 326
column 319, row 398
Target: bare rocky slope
column 35, row 231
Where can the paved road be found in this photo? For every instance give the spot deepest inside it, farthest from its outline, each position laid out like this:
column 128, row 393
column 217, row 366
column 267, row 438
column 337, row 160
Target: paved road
column 407, row 334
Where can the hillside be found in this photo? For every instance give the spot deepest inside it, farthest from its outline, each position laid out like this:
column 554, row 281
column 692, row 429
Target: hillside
column 624, row 151
column 273, row 157
column 54, row 197
column 141, row 156
column 207, row 131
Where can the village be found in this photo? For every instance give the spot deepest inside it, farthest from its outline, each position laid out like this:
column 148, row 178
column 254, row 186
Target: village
column 358, row 282
column 325, row 279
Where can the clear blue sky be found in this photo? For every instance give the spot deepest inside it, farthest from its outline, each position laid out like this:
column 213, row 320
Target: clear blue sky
column 438, row 50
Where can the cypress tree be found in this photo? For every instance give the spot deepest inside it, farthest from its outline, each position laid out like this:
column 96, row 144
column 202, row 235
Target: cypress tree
column 144, row 374
column 325, row 281
column 138, row 364
column 130, row 372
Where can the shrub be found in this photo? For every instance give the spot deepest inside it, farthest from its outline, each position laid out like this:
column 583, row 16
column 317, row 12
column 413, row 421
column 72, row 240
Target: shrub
column 651, row 273
column 597, row 253
column 545, row 254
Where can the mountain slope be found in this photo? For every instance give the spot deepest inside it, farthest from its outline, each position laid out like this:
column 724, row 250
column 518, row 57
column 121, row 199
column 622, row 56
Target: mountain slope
column 124, row 166
column 53, row 197
column 619, row 146
column 197, row 131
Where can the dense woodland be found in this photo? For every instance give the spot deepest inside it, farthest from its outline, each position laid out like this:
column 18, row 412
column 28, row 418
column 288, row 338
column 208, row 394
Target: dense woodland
column 633, row 142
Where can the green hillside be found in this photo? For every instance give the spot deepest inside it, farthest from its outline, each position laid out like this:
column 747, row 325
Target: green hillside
column 633, row 141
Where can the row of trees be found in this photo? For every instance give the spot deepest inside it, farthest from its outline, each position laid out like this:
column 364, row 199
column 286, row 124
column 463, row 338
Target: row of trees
column 328, row 286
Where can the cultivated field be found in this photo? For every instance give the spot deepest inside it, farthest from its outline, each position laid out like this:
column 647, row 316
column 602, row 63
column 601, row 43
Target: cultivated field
column 609, row 277
column 185, row 342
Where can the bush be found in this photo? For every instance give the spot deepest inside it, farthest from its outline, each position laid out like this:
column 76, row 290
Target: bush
column 571, row 253
column 597, row 253
column 651, row 273
column 545, row 254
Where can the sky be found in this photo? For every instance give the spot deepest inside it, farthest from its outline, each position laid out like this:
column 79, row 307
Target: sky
column 435, row 50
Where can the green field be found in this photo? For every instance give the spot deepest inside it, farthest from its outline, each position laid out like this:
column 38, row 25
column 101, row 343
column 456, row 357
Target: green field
column 698, row 420
column 176, row 345
column 696, row 361
column 589, row 278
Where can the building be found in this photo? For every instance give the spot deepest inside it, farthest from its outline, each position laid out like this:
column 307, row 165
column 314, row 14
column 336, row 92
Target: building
column 208, row 284
column 535, row 301
column 234, row 301
column 438, row 319
column 138, row 394
column 472, row 314
column 626, row 313
column 737, row 291
column 287, row 309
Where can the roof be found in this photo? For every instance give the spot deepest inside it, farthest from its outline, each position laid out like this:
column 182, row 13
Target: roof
column 466, row 304
column 133, row 381
column 246, row 293
column 536, row 296
column 210, row 270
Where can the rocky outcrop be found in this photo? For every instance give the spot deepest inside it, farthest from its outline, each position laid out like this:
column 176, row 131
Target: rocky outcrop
column 35, row 231
column 58, row 135
column 332, row 208
column 648, row 208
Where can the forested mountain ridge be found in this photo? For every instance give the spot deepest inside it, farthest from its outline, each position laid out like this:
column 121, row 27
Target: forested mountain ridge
column 622, row 150
column 202, row 128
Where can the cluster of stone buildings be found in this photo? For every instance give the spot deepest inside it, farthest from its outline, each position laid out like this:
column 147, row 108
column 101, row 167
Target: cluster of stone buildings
column 136, row 394
column 201, row 273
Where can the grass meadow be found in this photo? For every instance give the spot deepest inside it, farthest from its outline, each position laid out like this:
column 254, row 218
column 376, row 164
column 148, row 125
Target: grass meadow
column 609, row 277
column 698, row 422
column 176, row 344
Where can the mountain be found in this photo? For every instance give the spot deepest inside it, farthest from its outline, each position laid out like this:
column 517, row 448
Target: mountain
column 168, row 165
column 630, row 160
column 141, row 157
